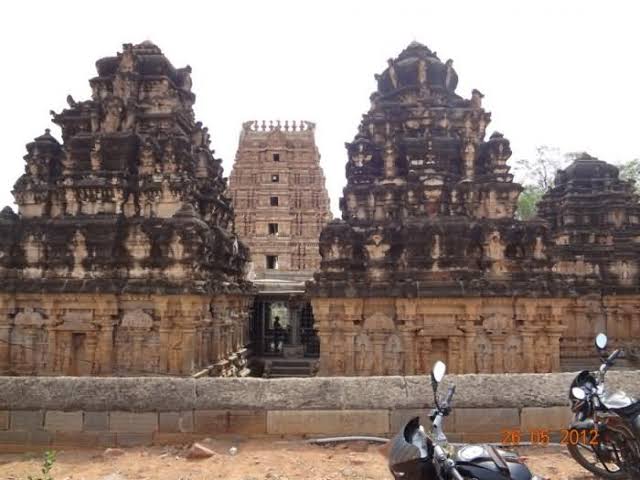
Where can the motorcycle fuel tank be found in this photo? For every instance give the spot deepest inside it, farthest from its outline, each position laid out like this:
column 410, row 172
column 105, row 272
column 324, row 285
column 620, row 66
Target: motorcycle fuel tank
column 617, row 400
column 474, row 461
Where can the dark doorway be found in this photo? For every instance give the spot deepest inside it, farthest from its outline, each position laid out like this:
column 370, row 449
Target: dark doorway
column 282, row 324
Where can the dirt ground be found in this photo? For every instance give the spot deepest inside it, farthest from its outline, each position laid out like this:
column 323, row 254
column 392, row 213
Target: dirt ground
column 254, row 460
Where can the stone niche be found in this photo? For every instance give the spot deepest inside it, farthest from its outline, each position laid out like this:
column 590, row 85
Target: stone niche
column 122, row 258
column 430, row 262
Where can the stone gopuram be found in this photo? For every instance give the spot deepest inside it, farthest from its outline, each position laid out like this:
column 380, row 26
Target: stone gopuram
column 278, row 190
column 429, row 262
column 279, row 195
column 122, row 259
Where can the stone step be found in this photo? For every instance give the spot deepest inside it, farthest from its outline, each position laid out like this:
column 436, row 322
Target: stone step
column 295, row 363
column 287, row 375
column 290, row 367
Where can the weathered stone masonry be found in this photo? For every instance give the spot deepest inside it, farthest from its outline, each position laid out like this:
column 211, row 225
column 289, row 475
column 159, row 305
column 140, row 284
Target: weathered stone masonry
column 40, row 413
column 122, row 258
column 429, row 261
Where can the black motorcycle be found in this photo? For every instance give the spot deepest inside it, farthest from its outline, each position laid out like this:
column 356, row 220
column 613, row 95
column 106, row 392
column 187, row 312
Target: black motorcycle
column 416, row 455
column 604, row 436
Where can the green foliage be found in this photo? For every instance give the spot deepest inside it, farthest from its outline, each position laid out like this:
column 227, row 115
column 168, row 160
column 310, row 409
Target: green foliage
column 631, row 171
column 537, row 176
column 47, row 465
column 527, row 202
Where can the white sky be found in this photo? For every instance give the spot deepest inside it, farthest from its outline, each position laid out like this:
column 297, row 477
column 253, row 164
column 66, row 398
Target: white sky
column 561, row 73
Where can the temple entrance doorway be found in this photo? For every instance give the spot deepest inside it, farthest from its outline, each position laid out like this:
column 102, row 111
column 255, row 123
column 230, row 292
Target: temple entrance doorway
column 283, row 340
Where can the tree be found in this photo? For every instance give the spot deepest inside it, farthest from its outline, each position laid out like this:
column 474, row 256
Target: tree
column 537, row 176
column 541, row 171
column 528, row 200
column 631, row 171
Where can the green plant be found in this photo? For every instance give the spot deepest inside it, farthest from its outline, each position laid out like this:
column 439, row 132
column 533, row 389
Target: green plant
column 47, row 465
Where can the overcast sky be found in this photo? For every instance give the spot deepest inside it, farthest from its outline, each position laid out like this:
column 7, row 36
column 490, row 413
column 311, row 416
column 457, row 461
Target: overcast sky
column 560, row 73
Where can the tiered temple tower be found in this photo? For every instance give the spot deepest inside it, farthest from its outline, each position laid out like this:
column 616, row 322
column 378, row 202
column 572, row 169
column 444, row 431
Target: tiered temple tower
column 279, row 195
column 428, row 261
column 281, row 204
column 594, row 217
column 122, row 257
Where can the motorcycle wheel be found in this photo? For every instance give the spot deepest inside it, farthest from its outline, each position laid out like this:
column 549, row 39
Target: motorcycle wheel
column 587, row 458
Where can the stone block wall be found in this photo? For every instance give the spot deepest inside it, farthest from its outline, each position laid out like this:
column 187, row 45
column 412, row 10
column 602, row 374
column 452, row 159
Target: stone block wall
column 54, row 412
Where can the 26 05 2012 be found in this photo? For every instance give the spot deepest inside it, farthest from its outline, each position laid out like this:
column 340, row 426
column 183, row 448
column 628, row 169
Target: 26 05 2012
column 542, row 437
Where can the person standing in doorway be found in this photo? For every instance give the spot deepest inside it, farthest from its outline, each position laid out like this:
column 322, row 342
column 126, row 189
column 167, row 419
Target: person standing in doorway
column 277, row 332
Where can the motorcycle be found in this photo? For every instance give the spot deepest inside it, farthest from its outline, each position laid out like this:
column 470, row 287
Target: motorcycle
column 416, row 455
column 604, row 436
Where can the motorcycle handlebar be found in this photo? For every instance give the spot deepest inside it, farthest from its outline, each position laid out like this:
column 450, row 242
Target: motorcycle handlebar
column 613, row 356
column 450, row 392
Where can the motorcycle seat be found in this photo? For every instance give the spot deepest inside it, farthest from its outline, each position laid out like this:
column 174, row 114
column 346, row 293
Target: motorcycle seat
column 630, row 411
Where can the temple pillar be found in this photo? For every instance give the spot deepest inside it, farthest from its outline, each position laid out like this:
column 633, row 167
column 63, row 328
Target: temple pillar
column 497, row 347
column 30, row 351
column 137, row 363
column 92, row 344
column 454, row 357
column 5, row 349
column 65, row 352
column 424, row 354
column 349, row 352
column 164, row 334
column 52, row 349
column 409, row 367
column 528, row 350
column 104, row 347
column 188, row 350
column 469, row 340
column 554, row 334
column 325, row 353
column 294, row 320
column 378, row 341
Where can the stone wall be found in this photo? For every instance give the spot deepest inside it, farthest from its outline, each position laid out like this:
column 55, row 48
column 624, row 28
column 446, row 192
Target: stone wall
column 52, row 412
column 127, row 334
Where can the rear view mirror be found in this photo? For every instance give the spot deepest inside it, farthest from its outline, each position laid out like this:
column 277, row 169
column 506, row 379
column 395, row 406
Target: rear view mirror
column 438, row 371
column 578, row 393
column 601, row 341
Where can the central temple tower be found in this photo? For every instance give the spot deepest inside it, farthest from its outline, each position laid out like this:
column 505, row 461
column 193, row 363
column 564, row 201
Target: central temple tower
column 427, row 259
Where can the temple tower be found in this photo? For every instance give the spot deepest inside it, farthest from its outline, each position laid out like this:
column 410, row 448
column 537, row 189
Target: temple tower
column 122, row 257
column 278, row 192
column 429, row 262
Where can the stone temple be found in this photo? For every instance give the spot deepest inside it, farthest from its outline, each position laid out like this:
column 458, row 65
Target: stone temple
column 429, row 261
column 278, row 191
column 122, row 257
